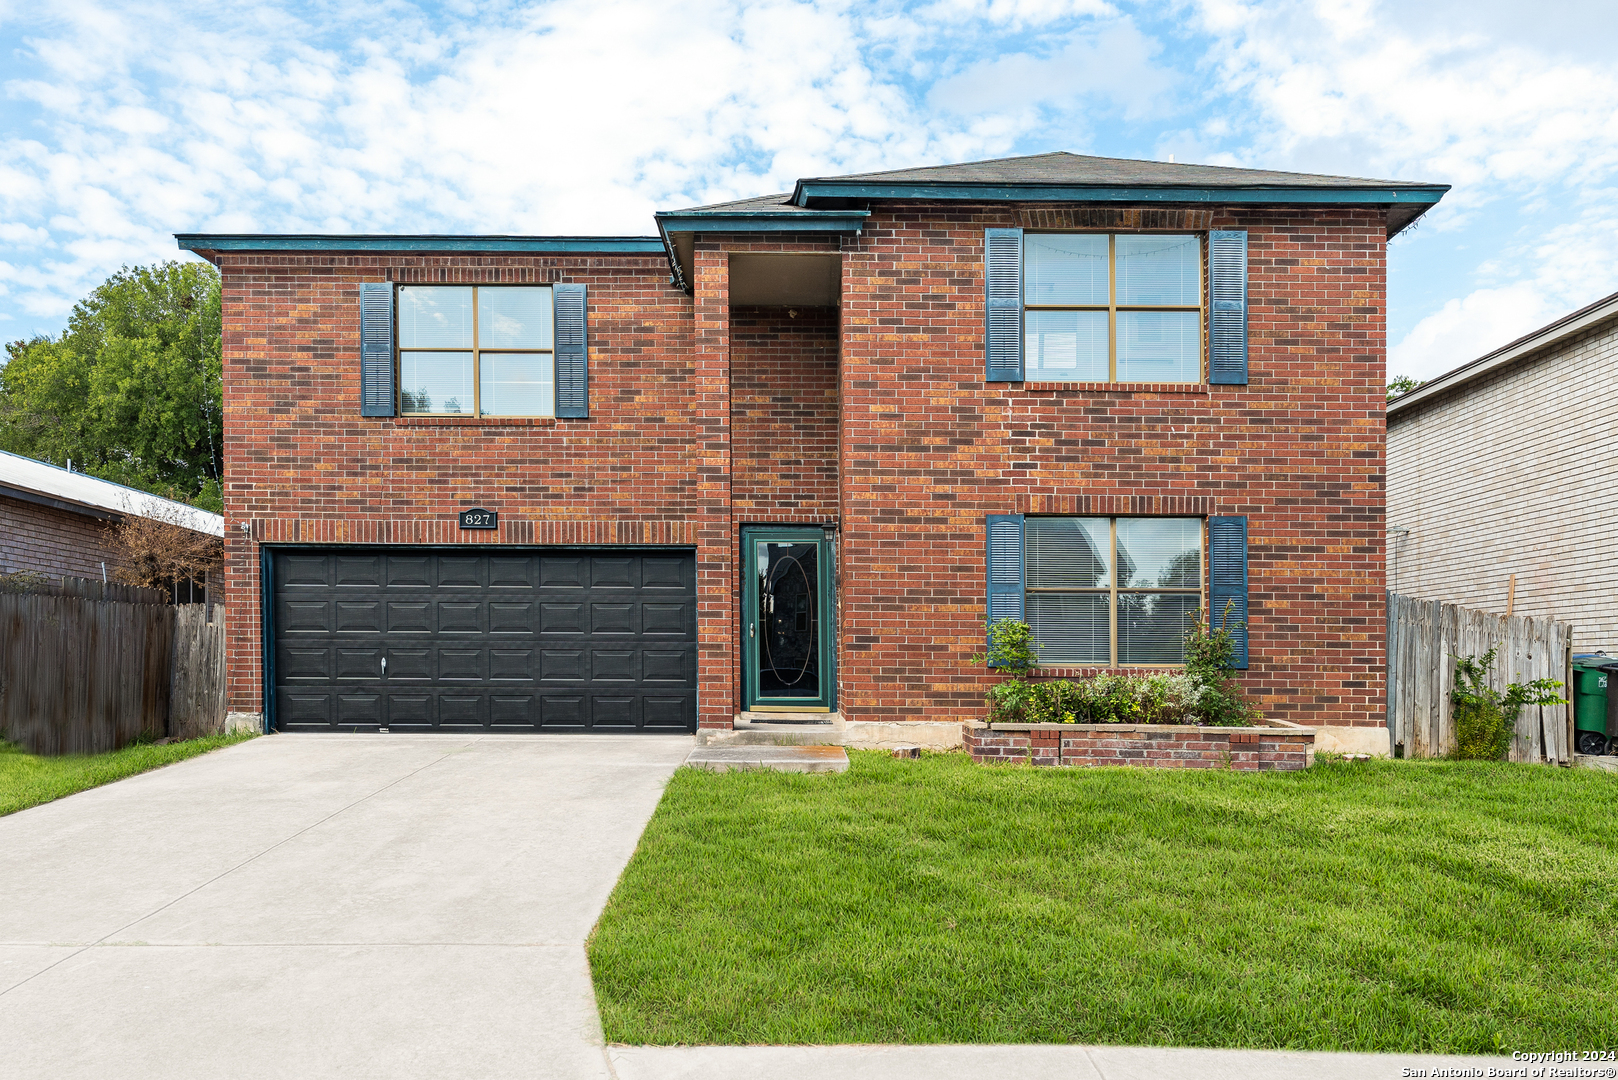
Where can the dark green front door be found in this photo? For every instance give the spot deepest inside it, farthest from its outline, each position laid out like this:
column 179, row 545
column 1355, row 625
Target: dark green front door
column 787, row 619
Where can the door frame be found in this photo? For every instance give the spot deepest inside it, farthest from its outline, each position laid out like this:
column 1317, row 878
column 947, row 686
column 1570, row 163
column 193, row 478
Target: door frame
column 826, row 612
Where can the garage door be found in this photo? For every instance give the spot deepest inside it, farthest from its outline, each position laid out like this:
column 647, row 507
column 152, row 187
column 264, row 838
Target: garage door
column 417, row 639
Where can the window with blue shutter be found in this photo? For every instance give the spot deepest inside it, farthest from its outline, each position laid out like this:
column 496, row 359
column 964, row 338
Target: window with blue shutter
column 1227, row 319
column 1227, row 580
column 376, row 348
column 1003, row 305
column 1005, row 567
column 572, row 352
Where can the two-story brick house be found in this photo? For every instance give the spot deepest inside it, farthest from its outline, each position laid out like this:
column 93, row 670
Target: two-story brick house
column 791, row 452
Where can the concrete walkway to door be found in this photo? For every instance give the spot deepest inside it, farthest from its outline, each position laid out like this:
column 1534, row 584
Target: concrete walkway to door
column 308, row 906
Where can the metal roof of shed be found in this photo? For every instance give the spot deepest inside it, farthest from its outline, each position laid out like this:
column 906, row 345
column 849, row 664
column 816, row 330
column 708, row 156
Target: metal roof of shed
column 52, row 485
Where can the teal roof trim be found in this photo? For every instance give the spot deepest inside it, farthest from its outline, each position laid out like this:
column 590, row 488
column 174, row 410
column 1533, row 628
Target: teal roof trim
column 808, row 191
column 833, row 221
column 604, row 245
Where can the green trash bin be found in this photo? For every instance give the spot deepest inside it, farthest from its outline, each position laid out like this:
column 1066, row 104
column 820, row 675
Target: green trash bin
column 1593, row 676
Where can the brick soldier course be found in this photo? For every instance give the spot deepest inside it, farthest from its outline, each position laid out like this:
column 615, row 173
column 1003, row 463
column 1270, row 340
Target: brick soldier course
column 867, row 413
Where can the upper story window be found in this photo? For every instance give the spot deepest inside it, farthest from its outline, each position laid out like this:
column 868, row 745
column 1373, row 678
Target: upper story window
column 1122, row 307
column 479, row 350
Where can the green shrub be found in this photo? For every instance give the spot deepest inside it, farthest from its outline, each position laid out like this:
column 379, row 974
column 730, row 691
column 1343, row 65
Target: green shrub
column 1010, row 701
column 1011, row 648
column 1485, row 718
column 1204, row 693
column 1210, row 655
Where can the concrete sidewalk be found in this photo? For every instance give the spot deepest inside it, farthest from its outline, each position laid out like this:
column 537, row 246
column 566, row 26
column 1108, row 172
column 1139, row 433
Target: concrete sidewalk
column 1023, row 1063
column 309, row 906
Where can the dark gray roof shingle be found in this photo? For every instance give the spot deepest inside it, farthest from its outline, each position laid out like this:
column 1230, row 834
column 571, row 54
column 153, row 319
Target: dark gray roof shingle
column 1061, row 167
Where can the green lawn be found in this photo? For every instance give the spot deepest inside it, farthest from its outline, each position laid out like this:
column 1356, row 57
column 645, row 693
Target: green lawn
column 27, row 780
column 1385, row 905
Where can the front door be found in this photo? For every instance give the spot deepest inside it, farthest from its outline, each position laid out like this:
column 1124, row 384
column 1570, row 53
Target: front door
column 787, row 620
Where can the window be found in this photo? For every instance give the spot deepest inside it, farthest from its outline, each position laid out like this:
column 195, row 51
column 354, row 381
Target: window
column 481, row 350
column 1123, row 307
column 1111, row 591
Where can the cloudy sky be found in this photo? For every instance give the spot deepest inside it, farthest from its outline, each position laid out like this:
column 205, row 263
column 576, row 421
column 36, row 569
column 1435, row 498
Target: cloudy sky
column 126, row 122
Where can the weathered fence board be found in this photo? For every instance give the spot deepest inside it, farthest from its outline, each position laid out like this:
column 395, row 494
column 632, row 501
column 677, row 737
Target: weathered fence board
column 80, row 676
column 1425, row 637
column 85, row 588
column 197, row 693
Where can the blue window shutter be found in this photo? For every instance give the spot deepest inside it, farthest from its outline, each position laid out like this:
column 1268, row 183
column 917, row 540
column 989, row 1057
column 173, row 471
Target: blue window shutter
column 1227, row 321
column 1227, row 579
column 376, row 348
column 572, row 352
column 1005, row 567
column 1002, row 256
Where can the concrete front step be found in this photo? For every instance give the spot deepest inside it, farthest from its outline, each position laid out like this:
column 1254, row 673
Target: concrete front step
column 776, row 729
column 804, row 759
column 830, row 729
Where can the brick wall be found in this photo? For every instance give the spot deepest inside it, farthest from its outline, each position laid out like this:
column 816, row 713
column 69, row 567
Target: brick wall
column 649, row 465
column 928, row 450
column 51, row 541
column 698, row 412
column 783, row 384
column 1161, row 747
column 652, row 463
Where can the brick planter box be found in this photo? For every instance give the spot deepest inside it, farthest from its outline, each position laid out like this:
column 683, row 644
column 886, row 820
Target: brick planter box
column 1163, row 746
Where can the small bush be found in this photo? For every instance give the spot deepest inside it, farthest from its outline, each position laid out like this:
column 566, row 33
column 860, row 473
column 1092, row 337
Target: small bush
column 1204, row 693
column 1012, row 649
column 1485, row 718
column 1210, row 655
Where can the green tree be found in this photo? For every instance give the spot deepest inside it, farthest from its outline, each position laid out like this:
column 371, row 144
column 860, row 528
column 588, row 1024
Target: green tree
column 130, row 392
column 1403, row 384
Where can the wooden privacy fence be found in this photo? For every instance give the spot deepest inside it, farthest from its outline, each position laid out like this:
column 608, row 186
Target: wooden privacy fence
column 1425, row 636
column 81, row 676
column 197, row 687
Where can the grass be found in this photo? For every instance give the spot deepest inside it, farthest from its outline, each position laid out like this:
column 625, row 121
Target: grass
column 1371, row 906
column 28, row 779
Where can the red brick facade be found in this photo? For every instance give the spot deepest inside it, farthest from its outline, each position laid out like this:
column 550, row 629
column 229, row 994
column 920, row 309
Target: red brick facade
column 51, row 541
column 874, row 418
column 1158, row 747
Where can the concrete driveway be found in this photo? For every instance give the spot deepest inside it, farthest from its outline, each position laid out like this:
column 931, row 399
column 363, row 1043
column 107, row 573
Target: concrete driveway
column 323, row 905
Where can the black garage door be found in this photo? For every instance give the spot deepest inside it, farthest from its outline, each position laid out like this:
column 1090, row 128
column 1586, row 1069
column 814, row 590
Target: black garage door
column 420, row 639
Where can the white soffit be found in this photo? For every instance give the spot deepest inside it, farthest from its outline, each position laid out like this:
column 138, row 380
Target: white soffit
column 53, row 482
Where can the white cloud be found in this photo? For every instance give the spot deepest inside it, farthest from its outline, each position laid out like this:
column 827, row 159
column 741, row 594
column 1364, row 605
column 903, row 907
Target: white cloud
column 1571, row 265
column 559, row 116
column 1114, row 61
column 1342, row 86
column 1467, row 327
column 1495, row 98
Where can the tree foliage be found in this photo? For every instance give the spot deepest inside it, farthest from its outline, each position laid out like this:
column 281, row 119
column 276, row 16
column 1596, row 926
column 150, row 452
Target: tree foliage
column 130, row 392
column 159, row 551
column 1403, row 384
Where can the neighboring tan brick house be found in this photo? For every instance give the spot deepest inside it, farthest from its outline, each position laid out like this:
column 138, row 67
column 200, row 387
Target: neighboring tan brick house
column 1503, row 469
column 769, row 456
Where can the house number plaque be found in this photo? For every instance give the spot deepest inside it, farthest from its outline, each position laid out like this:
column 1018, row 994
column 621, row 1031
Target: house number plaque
column 479, row 518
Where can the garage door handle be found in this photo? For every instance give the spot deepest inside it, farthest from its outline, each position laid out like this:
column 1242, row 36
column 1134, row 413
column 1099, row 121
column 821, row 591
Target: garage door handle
column 384, row 665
